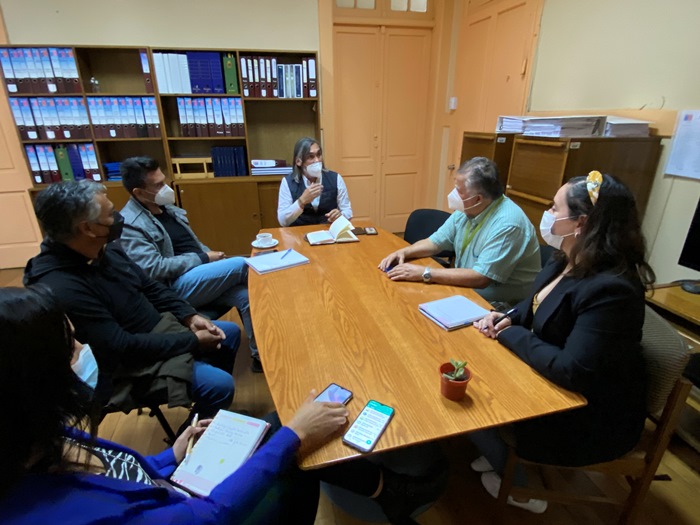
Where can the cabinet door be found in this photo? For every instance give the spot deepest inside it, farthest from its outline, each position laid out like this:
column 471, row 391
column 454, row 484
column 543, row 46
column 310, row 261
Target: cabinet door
column 225, row 215
column 268, row 193
column 537, row 166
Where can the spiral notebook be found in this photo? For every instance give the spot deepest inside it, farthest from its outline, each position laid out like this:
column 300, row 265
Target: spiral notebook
column 452, row 312
column 271, row 262
column 222, row 448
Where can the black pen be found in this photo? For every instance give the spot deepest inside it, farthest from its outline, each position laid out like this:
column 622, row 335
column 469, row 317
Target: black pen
column 508, row 314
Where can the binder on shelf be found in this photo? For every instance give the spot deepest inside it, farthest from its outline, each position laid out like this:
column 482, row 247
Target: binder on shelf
column 238, row 105
column 7, row 72
column 34, row 163
column 263, row 76
column 150, row 111
column 49, row 116
column 226, row 114
column 281, row 87
column 218, row 85
column 75, row 161
column 146, row 69
column 172, row 72
column 231, row 74
column 141, row 129
column 298, row 88
column 19, row 66
column 64, row 166
column 53, row 165
column 313, row 89
column 268, row 76
column 200, row 117
column 94, row 171
column 111, row 111
column 273, row 70
column 189, row 111
column 49, row 80
column 240, row 159
column 218, row 118
column 71, row 81
column 159, row 65
column 211, row 126
column 182, row 116
column 30, row 124
column 34, row 68
column 184, row 70
column 244, row 77
column 83, row 121
column 251, row 77
column 131, row 116
column 65, row 118
column 57, row 70
column 43, row 163
column 305, row 77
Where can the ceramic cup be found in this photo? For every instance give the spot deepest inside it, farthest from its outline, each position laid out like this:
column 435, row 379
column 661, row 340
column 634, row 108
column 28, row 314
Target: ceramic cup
column 264, row 239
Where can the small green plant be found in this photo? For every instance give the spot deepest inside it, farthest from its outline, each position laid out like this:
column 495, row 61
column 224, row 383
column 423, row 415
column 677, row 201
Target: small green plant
column 459, row 373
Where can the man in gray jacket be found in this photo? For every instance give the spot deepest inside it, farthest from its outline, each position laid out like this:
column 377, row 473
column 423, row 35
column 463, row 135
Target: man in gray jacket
column 158, row 238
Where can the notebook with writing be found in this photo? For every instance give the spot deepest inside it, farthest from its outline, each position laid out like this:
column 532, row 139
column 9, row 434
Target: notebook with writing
column 222, row 448
column 453, row 312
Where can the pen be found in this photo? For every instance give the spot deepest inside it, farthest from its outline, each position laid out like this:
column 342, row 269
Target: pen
column 508, row 314
column 190, row 442
column 285, row 254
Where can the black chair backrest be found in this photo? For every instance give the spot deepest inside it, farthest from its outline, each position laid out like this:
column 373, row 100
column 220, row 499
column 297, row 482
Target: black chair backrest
column 546, row 252
column 423, row 223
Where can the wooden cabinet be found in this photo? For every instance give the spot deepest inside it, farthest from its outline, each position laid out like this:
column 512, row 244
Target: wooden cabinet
column 541, row 165
column 495, row 146
column 227, row 213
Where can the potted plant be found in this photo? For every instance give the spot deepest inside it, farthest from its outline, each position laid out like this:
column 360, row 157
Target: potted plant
column 454, row 377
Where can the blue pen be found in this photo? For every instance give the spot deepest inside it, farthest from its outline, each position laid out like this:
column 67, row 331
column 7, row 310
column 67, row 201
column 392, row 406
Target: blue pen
column 508, row 314
column 285, row 254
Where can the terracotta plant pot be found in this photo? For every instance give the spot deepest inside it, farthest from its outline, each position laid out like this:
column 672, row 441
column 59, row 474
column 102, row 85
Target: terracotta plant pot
column 453, row 390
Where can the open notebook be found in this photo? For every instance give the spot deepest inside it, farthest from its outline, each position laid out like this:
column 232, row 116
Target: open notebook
column 340, row 231
column 224, row 446
column 271, row 262
column 453, row 312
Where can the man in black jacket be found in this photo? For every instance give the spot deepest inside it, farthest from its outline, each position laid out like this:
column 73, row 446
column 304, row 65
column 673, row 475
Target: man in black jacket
column 150, row 345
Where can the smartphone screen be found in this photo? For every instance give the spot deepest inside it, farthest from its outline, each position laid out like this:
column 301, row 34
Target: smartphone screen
column 335, row 394
column 369, row 426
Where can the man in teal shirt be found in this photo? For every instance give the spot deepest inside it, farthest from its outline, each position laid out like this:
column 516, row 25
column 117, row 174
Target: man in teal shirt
column 496, row 247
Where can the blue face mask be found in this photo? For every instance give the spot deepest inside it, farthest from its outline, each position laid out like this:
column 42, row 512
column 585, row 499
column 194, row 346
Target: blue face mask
column 86, row 367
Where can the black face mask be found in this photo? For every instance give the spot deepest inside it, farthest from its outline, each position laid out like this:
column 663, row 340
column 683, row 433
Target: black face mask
column 115, row 229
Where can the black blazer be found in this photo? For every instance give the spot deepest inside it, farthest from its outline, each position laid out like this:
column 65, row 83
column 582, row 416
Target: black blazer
column 586, row 338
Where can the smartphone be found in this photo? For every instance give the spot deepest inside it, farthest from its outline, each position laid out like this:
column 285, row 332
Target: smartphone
column 370, row 231
column 335, row 394
column 358, row 231
column 366, row 430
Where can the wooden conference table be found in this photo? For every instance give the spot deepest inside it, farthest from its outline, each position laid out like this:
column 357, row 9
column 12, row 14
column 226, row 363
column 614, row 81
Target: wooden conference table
column 340, row 320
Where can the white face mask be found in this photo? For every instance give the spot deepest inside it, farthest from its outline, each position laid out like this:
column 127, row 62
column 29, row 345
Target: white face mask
column 546, row 225
column 455, row 202
column 165, row 195
column 314, row 170
column 86, row 367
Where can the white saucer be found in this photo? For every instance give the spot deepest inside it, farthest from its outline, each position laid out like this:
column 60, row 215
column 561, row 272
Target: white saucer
column 260, row 246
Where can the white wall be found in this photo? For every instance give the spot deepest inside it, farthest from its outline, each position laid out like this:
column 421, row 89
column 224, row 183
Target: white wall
column 236, row 24
column 602, row 54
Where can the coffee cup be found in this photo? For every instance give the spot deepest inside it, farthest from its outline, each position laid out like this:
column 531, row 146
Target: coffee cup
column 264, row 239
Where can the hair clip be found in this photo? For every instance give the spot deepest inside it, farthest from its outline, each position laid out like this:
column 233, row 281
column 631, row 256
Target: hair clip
column 593, row 184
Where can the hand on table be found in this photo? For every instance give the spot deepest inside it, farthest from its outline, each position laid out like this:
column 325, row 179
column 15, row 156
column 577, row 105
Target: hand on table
column 406, row 272
column 333, row 215
column 397, row 257
column 486, row 325
column 314, row 422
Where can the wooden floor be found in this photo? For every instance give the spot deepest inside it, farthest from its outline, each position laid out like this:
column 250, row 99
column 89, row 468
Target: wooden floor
column 676, row 501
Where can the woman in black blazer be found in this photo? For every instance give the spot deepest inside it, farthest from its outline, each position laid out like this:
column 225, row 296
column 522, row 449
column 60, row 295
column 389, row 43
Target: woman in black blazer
column 580, row 328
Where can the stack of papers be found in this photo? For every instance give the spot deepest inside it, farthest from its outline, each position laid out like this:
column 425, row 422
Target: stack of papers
column 341, row 231
column 565, row 126
column 271, row 262
column 626, row 127
column 453, row 312
column 271, row 171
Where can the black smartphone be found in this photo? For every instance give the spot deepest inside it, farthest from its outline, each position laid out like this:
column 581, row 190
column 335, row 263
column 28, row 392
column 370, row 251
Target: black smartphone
column 370, row 231
column 366, row 430
column 263, row 252
column 335, row 394
column 358, row 231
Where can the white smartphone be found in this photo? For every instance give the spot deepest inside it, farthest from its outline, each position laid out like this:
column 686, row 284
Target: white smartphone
column 366, row 430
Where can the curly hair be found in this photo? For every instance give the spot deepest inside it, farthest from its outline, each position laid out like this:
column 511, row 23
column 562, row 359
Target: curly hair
column 611, row 238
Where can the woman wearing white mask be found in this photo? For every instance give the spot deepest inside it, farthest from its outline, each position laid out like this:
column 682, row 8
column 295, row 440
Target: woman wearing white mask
column 311, row 194
column 580, row 328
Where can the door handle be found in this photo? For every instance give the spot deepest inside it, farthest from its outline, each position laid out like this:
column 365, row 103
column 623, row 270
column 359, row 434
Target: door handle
column 451, row 167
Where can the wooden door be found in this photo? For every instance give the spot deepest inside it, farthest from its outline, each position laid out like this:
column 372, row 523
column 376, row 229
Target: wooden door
column 381, row 91
column 225, row 215
column 356, row 91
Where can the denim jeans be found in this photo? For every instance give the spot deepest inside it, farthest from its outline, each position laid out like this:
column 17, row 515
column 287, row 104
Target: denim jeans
column 212, row 382
column 222, row 281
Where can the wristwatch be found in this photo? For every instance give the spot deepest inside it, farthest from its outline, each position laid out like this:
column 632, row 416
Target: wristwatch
column 427, row 276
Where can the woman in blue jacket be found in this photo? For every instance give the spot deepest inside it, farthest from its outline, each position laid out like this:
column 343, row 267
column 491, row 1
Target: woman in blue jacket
column 581, row 328
column 53, row 472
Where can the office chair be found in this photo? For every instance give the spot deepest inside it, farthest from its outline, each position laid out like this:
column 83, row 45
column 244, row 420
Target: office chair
column 424, row 222
column 154, row 411
column 666, row 355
